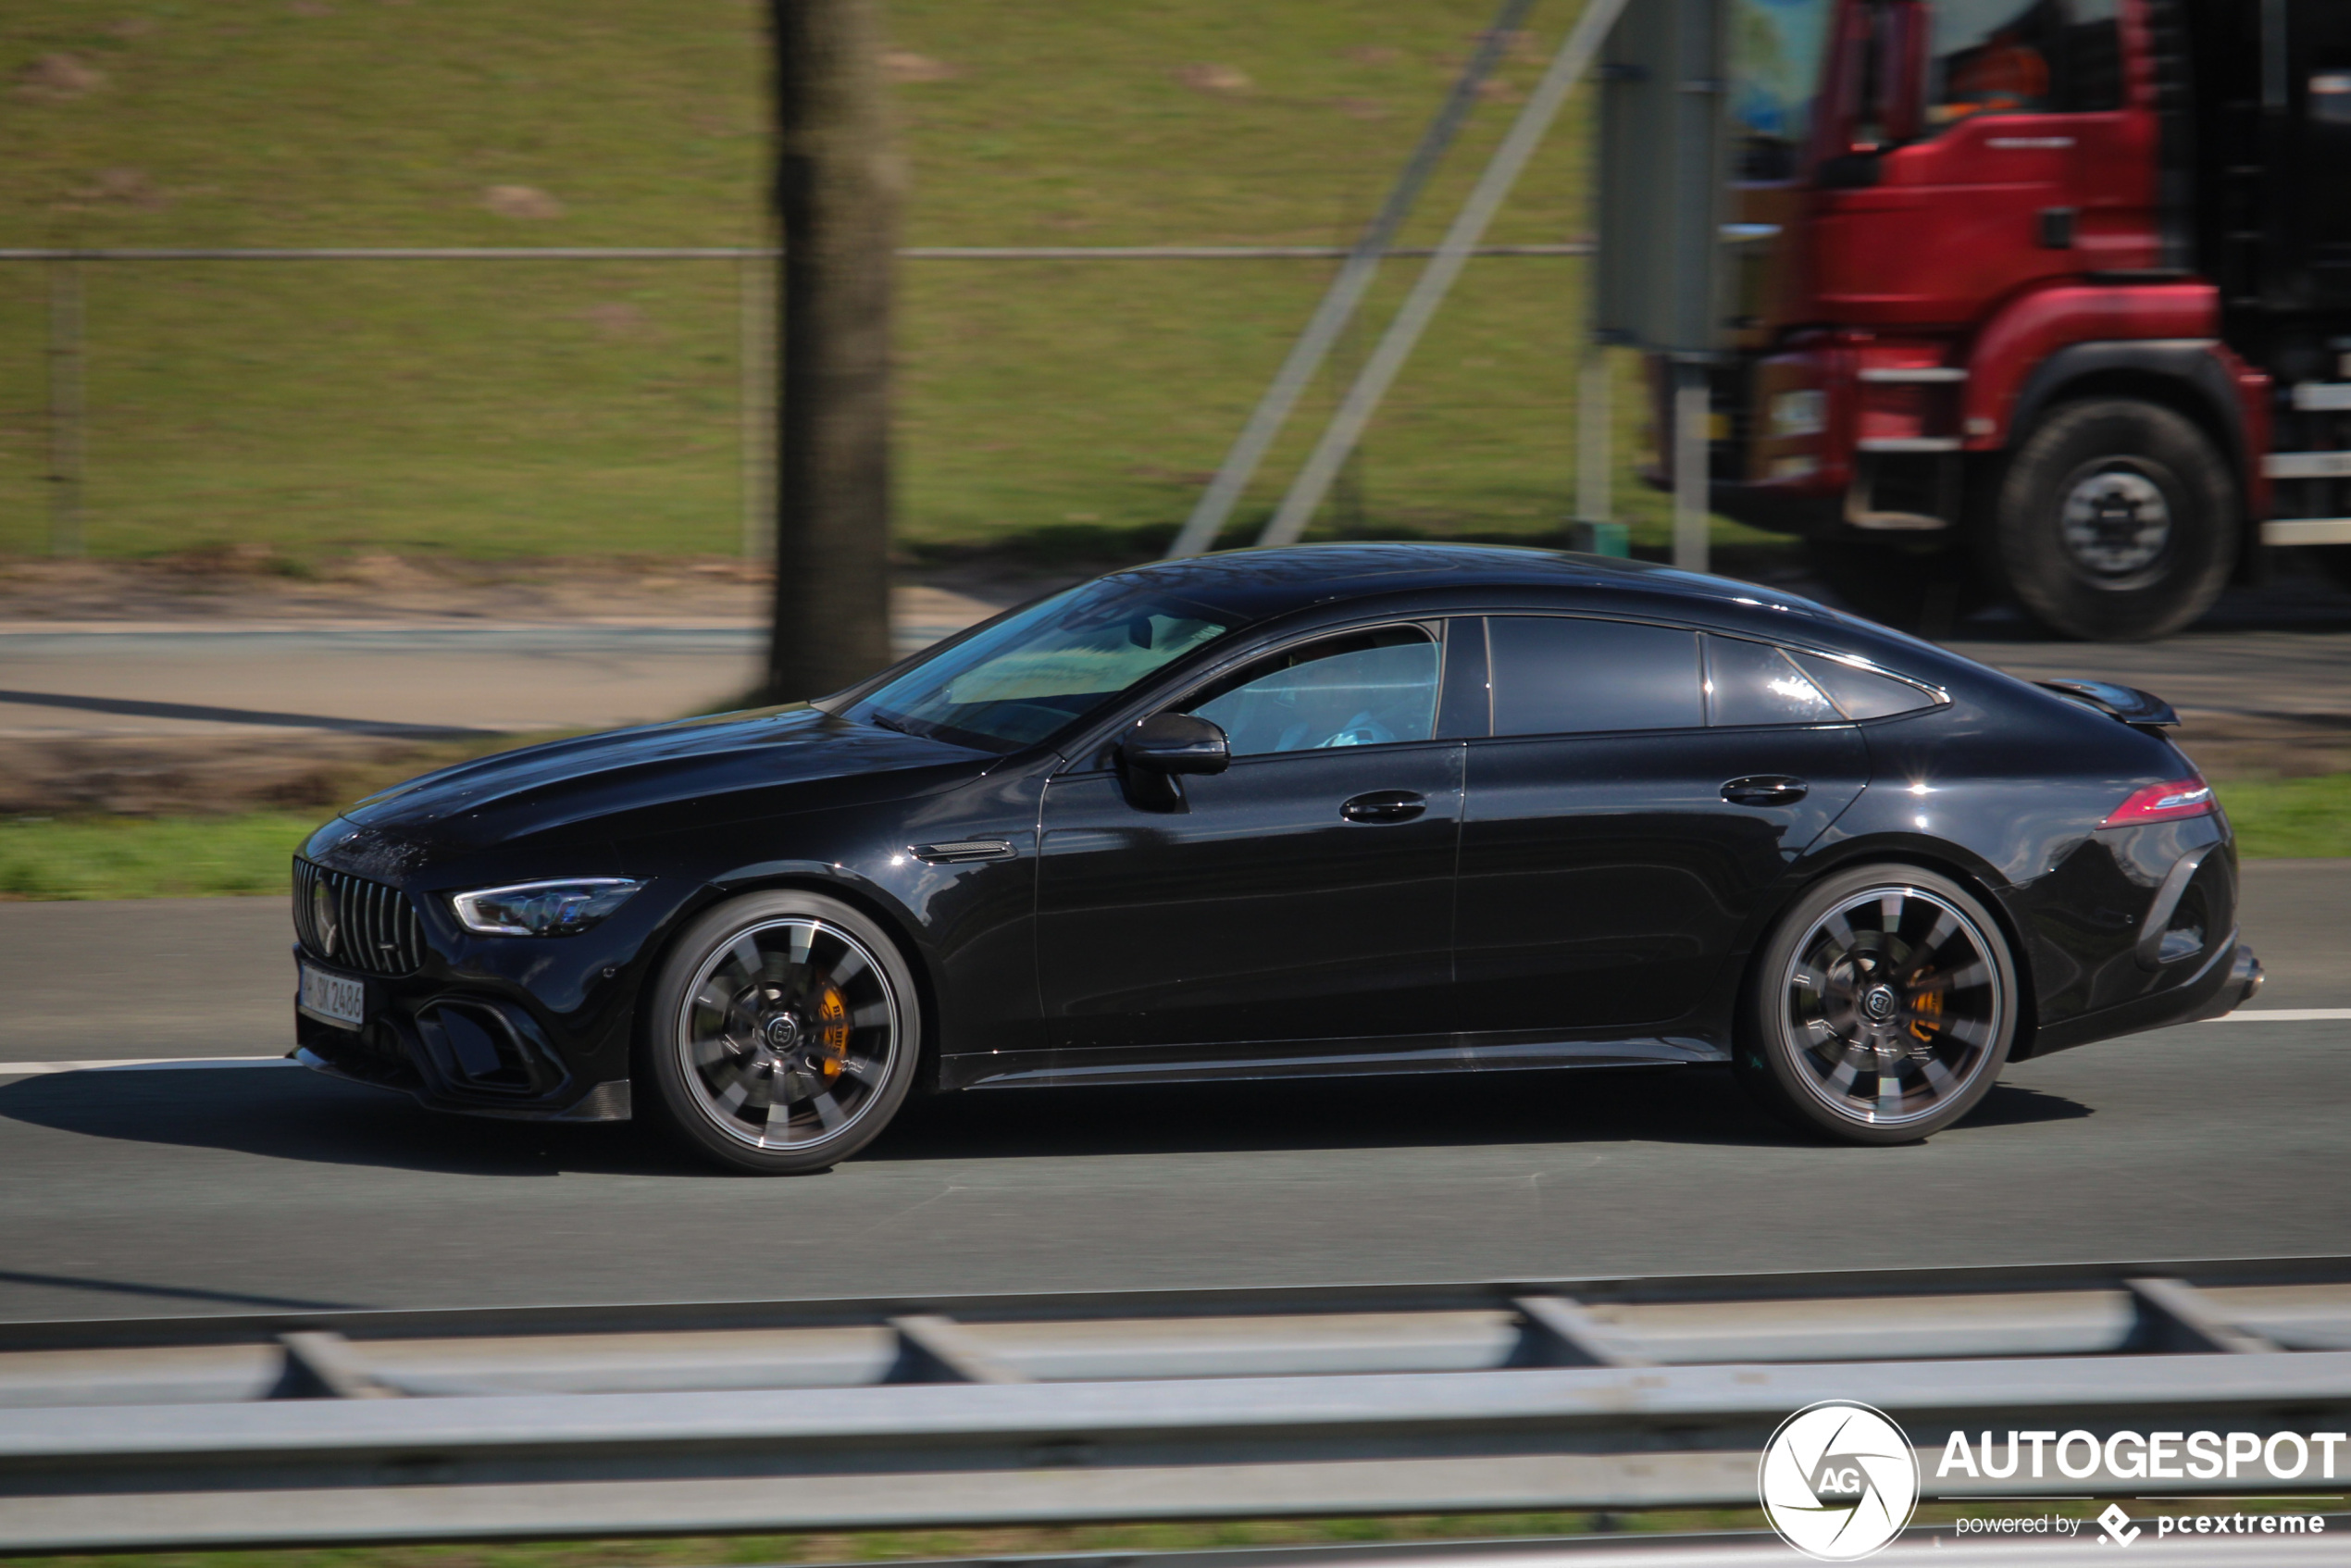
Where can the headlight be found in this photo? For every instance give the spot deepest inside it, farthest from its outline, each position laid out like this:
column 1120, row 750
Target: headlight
column 543, row 909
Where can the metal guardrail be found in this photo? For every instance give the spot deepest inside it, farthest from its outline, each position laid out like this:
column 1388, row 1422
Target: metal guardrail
column 1585, row 1393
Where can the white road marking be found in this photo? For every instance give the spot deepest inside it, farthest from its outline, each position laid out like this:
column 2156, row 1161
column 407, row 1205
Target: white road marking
column 2285, row 1016
column 117, row 1064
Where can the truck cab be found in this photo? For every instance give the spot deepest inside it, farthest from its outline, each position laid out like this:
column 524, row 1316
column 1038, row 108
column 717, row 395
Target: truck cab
column 2048, row 299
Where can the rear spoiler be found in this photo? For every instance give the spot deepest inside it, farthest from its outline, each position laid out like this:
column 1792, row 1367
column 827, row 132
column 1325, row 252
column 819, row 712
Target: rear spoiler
column 2133, row 706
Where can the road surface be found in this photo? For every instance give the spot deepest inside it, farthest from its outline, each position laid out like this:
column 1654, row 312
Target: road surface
column 198, row 1190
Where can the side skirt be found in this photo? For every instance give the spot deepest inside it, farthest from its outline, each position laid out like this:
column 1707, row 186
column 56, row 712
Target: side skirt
column 1389, row 1055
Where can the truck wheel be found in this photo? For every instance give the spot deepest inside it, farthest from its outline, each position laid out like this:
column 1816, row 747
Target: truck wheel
column 1923, row 591
column 2116, row 521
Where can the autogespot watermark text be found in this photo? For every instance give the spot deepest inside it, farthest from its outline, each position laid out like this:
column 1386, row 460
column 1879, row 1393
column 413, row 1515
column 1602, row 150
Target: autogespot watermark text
column 2146, row 1456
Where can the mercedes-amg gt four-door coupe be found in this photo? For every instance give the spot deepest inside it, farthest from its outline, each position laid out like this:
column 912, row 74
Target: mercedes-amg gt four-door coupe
column 1323, row 811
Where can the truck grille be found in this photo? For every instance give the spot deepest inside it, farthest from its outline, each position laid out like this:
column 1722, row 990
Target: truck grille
column 375, row 927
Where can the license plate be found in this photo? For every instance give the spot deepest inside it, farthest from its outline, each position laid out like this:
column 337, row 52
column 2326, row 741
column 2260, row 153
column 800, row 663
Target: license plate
column 331, row 998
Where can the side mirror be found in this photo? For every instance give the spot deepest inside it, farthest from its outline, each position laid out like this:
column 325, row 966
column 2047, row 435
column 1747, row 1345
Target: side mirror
column 1172, row 743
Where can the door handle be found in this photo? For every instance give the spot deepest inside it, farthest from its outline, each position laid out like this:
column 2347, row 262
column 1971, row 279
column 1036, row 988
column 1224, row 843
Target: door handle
column 1765, row 789
column 1384, row 805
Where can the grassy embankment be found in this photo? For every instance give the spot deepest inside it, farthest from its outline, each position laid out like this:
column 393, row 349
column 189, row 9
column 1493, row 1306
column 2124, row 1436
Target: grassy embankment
column 532, row 408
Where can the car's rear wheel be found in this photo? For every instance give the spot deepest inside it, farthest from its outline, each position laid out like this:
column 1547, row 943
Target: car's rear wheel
column 783, row 1033
column 1882, row 1007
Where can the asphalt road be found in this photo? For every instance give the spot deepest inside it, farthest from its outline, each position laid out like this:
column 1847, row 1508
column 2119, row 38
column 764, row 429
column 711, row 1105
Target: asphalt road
column 191, row 1190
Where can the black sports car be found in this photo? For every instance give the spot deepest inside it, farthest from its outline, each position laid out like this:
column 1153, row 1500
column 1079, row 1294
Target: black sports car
column 1331, row 810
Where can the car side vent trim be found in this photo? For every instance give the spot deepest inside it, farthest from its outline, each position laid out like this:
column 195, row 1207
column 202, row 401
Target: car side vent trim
column 960, row 851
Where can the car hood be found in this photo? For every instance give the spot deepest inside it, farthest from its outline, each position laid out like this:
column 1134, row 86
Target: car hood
column 747, row 765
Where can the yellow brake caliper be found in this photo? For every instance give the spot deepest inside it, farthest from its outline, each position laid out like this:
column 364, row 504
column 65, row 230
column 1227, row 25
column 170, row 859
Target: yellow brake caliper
column 832, row 1032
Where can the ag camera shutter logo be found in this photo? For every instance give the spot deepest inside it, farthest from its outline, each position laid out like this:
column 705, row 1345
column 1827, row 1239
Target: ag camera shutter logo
column 1838, row 1480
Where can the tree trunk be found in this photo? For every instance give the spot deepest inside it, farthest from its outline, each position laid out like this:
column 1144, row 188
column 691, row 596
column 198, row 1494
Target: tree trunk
column 838, row 184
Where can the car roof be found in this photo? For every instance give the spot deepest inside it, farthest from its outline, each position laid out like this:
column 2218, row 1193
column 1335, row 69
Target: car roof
column 1251, row 587
column 1256, row 585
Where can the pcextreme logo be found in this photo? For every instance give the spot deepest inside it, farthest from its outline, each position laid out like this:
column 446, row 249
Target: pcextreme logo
column 1838, row 1480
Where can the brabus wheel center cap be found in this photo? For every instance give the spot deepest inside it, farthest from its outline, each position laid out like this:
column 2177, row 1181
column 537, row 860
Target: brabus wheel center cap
column 780, row 1033
column 1880, row 1004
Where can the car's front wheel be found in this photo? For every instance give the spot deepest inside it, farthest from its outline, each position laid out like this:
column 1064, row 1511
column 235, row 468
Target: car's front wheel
column 782, row 1034
column 1882, row 1007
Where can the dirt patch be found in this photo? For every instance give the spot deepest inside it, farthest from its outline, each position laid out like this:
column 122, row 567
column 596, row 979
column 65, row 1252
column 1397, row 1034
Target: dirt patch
column 147, row 778
column 1371, row 54
column 1361, row 108
column 120, row 187
column 1206, row 78
column 256, row 581
column 903, row 66
column 617, row 319
column 2227, row 746
column 521, row 200
column 59, row 78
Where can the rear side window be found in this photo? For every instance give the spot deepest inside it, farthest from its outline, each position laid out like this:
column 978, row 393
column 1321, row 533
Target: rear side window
column 1753, row 683
column 1556, row 675
column 1862, row 694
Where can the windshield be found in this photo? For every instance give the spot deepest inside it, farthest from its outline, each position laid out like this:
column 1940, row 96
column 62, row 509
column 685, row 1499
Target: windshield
column 1031, row 674
column 1777, row 50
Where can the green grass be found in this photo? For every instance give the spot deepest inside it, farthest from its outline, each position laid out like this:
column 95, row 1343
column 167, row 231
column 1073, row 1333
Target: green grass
column 526, row 408
column 2290, row 818
column 192, row 856
column 165, row 858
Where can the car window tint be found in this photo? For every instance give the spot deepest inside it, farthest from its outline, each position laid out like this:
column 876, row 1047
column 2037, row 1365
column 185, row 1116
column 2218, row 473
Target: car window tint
column 1862, row 694
column 1033, row 673
column 1558, row 675
column 1753, row 683
column 1366, row 689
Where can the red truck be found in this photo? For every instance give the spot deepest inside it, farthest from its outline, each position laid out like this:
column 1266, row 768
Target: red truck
column 2048, row 299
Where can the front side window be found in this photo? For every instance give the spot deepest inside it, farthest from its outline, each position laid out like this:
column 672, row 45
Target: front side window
column 1560, row 675
column 1018, row 681
column 1991, row 56
column 1372, row 688
column 2023, row 56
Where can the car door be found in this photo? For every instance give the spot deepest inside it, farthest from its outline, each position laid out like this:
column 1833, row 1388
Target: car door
column 1614, row 844
column 1303, row 894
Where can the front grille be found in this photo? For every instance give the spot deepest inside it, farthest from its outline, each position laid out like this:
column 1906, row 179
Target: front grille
column 375, row 928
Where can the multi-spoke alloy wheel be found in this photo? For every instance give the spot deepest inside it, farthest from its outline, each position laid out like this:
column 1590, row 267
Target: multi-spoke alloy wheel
column 1884, row 1007
column 784, row 1032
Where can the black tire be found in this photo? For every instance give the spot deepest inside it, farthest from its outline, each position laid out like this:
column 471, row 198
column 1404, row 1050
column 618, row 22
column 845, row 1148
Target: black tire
column 1816, row 1048
column 1923, row 591
column 790, row 1063
column 2115, row 521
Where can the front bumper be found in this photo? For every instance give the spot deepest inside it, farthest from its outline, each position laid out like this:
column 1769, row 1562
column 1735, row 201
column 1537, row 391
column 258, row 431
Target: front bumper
column 482, row 1048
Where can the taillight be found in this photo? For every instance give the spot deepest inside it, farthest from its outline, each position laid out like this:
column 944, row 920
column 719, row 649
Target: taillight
column 2163, row 802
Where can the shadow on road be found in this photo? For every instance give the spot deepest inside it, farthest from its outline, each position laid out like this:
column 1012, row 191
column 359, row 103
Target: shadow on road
column 287, row 1113
column 295, row 1116
column 1673, row 1105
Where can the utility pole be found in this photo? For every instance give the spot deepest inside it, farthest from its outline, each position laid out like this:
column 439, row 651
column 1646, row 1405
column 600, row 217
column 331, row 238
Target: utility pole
column 839, row 183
